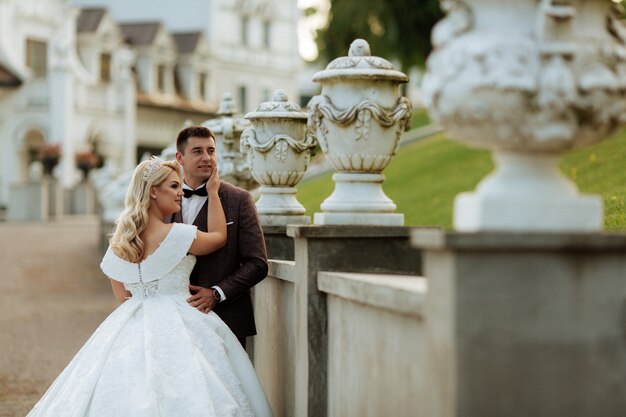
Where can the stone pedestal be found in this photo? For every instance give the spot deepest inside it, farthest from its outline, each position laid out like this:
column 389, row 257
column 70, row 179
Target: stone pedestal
column 36, row 201
column 55, row 198
column 358, row 199
column 527, row 193
column 28, row 202
column 283, row 220
column 279, row 245
column 334, row 248
column 527, row 324
column 82, row 199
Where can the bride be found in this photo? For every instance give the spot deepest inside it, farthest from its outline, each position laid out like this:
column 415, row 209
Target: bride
column 155, row 355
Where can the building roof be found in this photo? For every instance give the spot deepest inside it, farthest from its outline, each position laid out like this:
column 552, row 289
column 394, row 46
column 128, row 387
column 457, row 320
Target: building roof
column 187, row 42
column 138, row 34
column 89, row 19
column 7, row 78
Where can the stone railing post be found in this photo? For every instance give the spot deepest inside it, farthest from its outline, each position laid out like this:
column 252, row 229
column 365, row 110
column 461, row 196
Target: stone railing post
column 524, row 324
column 279, row 150
column 345, row 248
column 529, row 80
column 525, row 307
column 358, row 120
column 227, row 130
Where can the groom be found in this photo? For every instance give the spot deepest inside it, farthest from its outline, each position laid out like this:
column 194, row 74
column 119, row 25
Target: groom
column 221, row 281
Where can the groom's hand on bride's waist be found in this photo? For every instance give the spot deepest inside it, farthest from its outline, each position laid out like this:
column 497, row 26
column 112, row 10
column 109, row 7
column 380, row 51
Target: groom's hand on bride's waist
column 203, row 298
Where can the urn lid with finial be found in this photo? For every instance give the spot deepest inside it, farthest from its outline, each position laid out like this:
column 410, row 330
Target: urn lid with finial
column 278, row 108
column 360, row 64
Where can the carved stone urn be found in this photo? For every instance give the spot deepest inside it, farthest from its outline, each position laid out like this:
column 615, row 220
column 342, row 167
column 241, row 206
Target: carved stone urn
column 234, row 167
column 358, row 120
column 279, row 149
column 530, row 80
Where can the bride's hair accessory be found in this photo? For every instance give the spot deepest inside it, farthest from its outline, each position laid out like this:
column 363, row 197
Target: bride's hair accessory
column 155, row 164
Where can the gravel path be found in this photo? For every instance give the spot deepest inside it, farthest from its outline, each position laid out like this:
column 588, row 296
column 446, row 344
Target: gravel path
column 52, row 297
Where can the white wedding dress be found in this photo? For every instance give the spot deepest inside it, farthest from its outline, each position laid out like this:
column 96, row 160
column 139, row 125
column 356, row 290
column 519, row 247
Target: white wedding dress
column 155, row 355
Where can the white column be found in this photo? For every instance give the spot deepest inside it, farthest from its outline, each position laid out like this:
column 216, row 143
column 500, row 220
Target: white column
column 61, row 86
column 127, row 89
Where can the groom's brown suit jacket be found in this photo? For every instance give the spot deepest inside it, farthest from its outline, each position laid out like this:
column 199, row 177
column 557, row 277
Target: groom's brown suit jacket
column 239, row 265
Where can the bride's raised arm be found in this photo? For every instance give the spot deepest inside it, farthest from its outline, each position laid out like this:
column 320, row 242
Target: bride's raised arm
column 215, row 236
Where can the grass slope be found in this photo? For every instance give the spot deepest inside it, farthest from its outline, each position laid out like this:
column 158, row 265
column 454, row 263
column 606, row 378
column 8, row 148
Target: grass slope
column 425, row 176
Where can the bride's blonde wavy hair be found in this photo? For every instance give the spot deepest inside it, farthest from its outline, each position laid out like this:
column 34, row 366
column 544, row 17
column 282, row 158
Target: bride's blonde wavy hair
column 125, row 241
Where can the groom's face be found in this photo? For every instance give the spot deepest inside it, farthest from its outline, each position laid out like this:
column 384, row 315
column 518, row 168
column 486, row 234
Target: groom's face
column 198, row 160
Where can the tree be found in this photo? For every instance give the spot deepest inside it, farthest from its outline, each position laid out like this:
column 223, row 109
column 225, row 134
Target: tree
column 395, row 29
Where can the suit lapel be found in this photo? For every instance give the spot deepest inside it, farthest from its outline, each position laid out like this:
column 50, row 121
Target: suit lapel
column 201, row 219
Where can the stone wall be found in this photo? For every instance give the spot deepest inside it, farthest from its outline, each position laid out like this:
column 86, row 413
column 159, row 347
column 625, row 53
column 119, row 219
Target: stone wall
column 460, row 325
column 294, row 345
column 377, row 349
column 273, row 349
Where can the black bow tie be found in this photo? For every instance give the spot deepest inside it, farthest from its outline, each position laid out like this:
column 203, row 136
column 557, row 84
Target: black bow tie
column 198, row 191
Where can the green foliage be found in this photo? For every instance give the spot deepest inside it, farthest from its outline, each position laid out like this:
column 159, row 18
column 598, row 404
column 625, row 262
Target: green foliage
column 422, row 180
column 426, row 175
column 395, row 29
column 600, row 170
column 419, row 118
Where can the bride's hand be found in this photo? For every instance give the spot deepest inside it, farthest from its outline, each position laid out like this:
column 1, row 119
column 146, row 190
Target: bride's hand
column 213, row 183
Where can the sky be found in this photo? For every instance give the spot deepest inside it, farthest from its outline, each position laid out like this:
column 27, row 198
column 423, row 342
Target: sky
column 308, row 25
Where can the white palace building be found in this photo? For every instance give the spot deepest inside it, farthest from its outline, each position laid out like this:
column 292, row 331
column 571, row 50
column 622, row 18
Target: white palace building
column 122, row 77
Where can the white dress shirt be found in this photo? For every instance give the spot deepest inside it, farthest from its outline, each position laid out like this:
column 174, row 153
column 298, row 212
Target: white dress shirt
column 190, row 208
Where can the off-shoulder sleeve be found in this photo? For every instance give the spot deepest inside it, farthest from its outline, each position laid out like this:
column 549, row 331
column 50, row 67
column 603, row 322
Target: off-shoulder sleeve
column 179, row 240
column 170, row 253
column 119, row 269
column 172, row 250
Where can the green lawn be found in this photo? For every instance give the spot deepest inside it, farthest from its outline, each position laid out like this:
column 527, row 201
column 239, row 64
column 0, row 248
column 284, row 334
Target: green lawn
column 425, row 176
column 419, row 118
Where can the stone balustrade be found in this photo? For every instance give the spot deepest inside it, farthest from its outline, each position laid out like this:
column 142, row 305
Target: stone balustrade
column 518, row 312
column 292, row 348
column 367, row 321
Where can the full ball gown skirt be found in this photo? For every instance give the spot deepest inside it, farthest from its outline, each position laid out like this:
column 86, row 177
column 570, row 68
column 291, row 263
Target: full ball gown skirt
column 155, row 355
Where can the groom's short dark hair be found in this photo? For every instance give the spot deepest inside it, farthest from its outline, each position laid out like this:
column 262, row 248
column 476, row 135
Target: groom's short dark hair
column 186, row 133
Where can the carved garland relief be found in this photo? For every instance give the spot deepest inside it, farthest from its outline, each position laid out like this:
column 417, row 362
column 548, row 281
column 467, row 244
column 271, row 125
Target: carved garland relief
column 545, row 92
column 322, row 111
column 280, row 144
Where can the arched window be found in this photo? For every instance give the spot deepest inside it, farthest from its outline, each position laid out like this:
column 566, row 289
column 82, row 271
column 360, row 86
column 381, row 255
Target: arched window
column 29, row 152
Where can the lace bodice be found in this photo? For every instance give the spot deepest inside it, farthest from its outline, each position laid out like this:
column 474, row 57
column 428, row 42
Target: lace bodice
column 164, row 273
column 176, row 282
